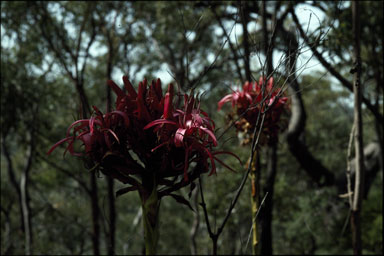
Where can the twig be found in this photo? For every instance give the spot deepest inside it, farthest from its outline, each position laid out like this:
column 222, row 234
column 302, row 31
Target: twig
column 255, row 141
column 348, row 172
column 332, row 70
column 211, row 234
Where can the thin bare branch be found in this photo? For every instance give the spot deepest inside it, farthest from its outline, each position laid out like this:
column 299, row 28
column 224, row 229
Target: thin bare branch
column 329, row 67
column 348, row 172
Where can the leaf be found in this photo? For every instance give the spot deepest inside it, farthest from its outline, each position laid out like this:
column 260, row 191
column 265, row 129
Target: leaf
column 229, row 153
column 182, row 200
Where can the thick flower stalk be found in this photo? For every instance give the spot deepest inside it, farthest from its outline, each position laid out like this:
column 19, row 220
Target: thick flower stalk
column 148, row 143
column 255, row 99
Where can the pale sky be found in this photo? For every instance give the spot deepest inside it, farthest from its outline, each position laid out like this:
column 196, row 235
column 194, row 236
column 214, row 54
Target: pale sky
column 307, row 15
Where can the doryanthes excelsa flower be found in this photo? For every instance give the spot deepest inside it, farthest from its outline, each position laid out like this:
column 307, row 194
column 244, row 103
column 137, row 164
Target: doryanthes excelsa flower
column 147, row 139
column 248, row 103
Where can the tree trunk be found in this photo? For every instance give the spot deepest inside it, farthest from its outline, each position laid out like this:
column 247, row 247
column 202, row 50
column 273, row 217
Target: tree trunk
column 268, row 48
column 266, row 213
column 60, row 51
column 244, row 21
column 112, row 216
column 12, row 178
column 6, row 236
column 359, row 176
column 314, row 168
column 332, row 70
column 25, row 198
column 92, row 179
column 94, row 191
column 255, row 167
column 95, row 215
column 26, row 212
column 110, row 181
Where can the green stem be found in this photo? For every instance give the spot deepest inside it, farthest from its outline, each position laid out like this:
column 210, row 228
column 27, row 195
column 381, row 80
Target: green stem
column 255, row 177
column 150, row 207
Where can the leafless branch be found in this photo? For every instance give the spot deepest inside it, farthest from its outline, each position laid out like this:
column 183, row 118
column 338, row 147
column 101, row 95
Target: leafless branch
column 329, row 67
column 348, row 172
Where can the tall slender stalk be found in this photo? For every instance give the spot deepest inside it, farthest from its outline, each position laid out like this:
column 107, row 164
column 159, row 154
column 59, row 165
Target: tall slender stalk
column 255, row 184
column 150, row 205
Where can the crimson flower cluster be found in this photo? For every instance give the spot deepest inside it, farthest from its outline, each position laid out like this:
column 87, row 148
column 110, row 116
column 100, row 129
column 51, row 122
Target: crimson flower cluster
column 249, row 102
column 147, row 139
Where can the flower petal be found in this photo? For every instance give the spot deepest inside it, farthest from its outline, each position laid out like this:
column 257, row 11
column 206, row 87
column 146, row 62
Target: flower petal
column 87, row 140
column 222, row 163
column 107, row 141
column 224, row 100
column 179, row 137
column 128, row 86
column 228, row 153
column 142, row 109
column 70, row 149
column 115, row 88
column 158, row 90
column 159, row 146
column 98, row 112
column 91, row 123
column 113, row 134
column 168, row 106
column 122, row 114
column 84, row 122
column 249, row 97
column 210, row 156
column 159, row 121
column 210, row 134
column 57, row 144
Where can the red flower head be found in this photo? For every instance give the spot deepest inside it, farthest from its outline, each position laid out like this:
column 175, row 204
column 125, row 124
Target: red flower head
column 249, row 102
column 189, row 130
column 97, row 133
column 124, row 147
